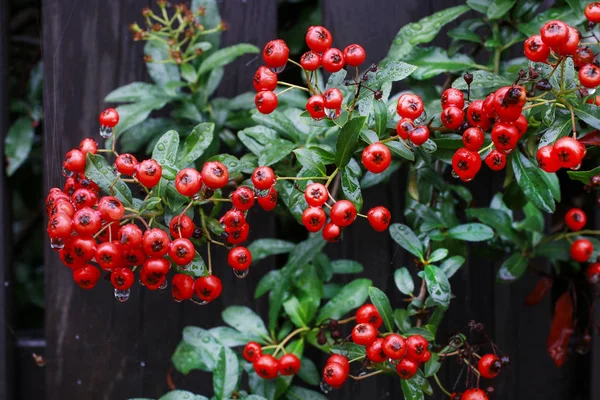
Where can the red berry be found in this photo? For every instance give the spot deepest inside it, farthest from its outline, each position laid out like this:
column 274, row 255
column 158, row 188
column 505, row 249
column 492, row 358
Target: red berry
column 394, row 346
column 466, row 164
column 354, row 55
column 406, row 368
column 188, row 182
column 181, row 226
column 109, row 118
column 368, row 314
column 379, row 218
column 84, row 198
column 495, row 160
column 452, row 117
column 536, row 50
column 452, row 97
column 339, row 359
column 426, row 357
column 473, row 138
column 215, row 175
column 547, row 159
column 87, row 276
column 318, row 39
column 410, row 106
column 334, row 374
column 554, row 33
column 122, row 278
column 108, row 255
column 268, row 202
column 130, row 236
column 376, row 157
column 266, row 102
column 155, row 269
column 110, row 231
column 477, row 116
column 62, row 206
column 581, row 250
column 86, row 222
column 233, row 219
column 474, row 394
column 208, row 287
column 332, row 60
column 593, row 273
column 416, row 348
column 592, row 12
column 569, row 152
column 237, row 235
column 69, row 259
column 575, row 219
column 182, row 251
column 375, row 351
column 505, row 111
column 521, row 124
column 488, row 107
column 74, row 161
column 276, row 53
column 126, row 163
column 419, row 135
column 263, row 178
column 364, row 334
column 243, row 198
column 489, row 366
column 266, row 366
column 88, row 145
column 570, row 45
column 332, row 98
column 148, row 172
column 310, row 61
column 404, row 127
column 343, row 213
column 316, row 107
column 589, row 76
column 110, row 208
column 331, row 232
column 83, row 248
column 252, row 351
column 155, row 242
column 239, row 258
column 594, row 100
column 133, row 256
column 515, row 95
column 150, row 280
column 313, row 218
column 316, row 194
column 583, row 55
column 505, row 136
column 289, row 364
column 182, row 287
column 264, row 79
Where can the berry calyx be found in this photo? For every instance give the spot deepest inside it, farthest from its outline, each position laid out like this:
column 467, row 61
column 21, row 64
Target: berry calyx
column 316, row 107
column 334, row 374
column 182, row 251
column 394, row 346
column 148, row 172
column 364, row 334
column 332, row 60
column 554, row 33
column 126, row 164
column 318, row 39
column 263, row 178
column 473, row 138
column 410, row 106
column 310, row 61
column 243, row 198
column 368, row 314
column 122, row 278
column 495, row 160
column 155, row 242
column 313, row 218
column 375, row 351
column 214, row 175
column 188, row 182
column 406, row 368
column 569, row 152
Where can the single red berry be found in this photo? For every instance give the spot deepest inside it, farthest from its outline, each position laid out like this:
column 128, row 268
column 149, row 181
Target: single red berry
column 182, row 287
column 489, row 366
column 68, row 257
column 452, row 117
column 74, row 161
column 593, row 273
column 111, row 208
column 313, row 218
column 87, row 276
column 476, row 115
column 263, row 178
column 208, row 287
column 108, row 255
column 394, row 346
column 188, row 182
column 339, row 359
column 505, row 111
column 495, row 160
column 133, row 256
column 109, row 118
column 252, row 351
column 331, row 232
column 410, row 106
column 364, row 334
column 84, row 198
column 148, row 172
column 126, row 163
column 354, row 55
column 264, row 79
column 237, row 235
column 243, row 198
column 155, row 242
column 569, row 47
column 583, row 55
column 316, row 107
column 316, row 194
column 452, row 97
column 182, row 251
column 368, row 314
column 554, row 33
column 266, row 366
column 268, row 202
column 594, row 100
column 289, row 364
column 536, row 50
column 473, row 138
column 488, row 107
column 214, row 175
column 122, row 278
column 276, row 54
column 181, row 226
column 521, row 124
column 266, row 102
column 406, row 368
column 376, row 157
column 581, row 250
column 419, row 135
column 589, row 76
column 379, row 218
column 332, row 60
column 416, row 348
column 155, row 270
column 575, row 219
column 343, row 213
column 334, row 374
column 404, row 127
column 130, row 235
column 547, row 159
column 239, row 258
column 592, row 12
column 332, row 98
column 83, row 248
column 569, row 152
column 70, row 186
column 88, row 145
column 150, row 280
column 474, row 394
column 375, row 351
column 466, row 164
column 318, row 39
column 310, row 61
column 86, row 222
column 505, row 136
column 62, row 206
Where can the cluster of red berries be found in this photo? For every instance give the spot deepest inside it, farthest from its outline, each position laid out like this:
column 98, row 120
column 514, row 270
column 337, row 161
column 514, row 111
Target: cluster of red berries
column 410, row 108
column 488, row 366
column 267, row 366
column 563, row 40
column 581, row 249
column 276, row 55
column 566, row 152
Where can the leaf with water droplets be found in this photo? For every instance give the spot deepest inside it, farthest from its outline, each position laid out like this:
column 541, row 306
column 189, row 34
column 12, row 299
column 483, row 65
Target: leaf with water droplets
column 438, row 286
column 352, row 296
column 411, row 390
column 182, row 395
column 473, row 232
column 512, row 268
column 245, row 320
column 226, row 374
column 404, row 281
column 97, row 169
column 481, row 79
column 406, row 238
column 382, row 303
column 196, row 144
column 532, row 183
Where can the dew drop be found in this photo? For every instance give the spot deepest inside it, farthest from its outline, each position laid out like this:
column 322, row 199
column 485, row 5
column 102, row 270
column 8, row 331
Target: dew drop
column 106, row 132
column 115, row 170
column 454, row 174
column 575, row 168
column 325, row 388
column 122, row 295
column 57, row 244
column 140, row 282
column 142, row 364
column 422, row 119
column 591, row 91
column 79, row 382
column 241, row 274
column 66, row 173
column 196, row 197
column 331, row 113
column 278, row 69
column 176, row 300
column 163, row 285
column 198, row 301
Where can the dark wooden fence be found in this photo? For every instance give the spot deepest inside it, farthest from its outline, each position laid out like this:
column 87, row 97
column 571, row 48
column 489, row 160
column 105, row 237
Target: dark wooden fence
column 100, row 349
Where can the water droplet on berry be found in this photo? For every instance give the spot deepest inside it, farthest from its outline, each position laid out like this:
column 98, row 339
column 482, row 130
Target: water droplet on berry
column 241, row 274
column 196, row 197
column 468, row 179
column 325, row 388
column 140, row 282
column 176, row 300
column 591, row 91
column 115, row 170
column 422, row 119
column 199, row 301
column 575, row 168
column 122, row 295
column 163, row 286
column 278, row 69
column 57, row 244
column 105, row 132
column 331, row 113
column 454, row 174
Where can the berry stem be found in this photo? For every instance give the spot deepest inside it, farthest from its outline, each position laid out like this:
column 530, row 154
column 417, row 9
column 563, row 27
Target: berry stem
column 333, row 174
column 295, row 63
column 361, row 215
column 356, row 359
column 345, row 321
column 291, row 85
column 102, row 230
column 288, row 338
column 209, row 258
column 300, row 178
column 486, row 148
column 437, row 380
column 358, row 378
column 283, row 91
column 560, row 236
column 573, row 123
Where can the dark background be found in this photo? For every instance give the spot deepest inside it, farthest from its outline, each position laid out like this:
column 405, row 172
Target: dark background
column 97, row 348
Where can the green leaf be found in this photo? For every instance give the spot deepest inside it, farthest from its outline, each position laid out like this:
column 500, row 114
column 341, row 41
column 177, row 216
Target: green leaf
column 347, row 141
column 352, row 296
column 209, row 20
column 500, row 220
column 135, row 113
column 432, row 366
column 311, row 159
column 188, row 73
column 559, row 128
column 349, row 350
column 299, row 393
column 532, row 182
column 583, row 176
column 406, row 238
column 422, row 31
column 433, row 61
column 382, row 303
column 467, row 30
column 426, row 333
column 401, row 150
column 230, row 337
column 472, row 232
column 564, row 14
column 553, row 184
column 180, row 395
column 308, row 372
column 294, row 310
column 589, row 113
column 351, row 187
column 226, row 374
column 479, row 5
column 411, row 390
column 533, row 221
column 451, row 265
column 388, row 71
column 402, row 319
column 160, row 72
column 346, row 267
column 498, row 8
column 224, row 56
column 404, row 281
column 263, row 248
column 196, row 268
column 134, row 92
column 381, row 117
column 267, row 283
column 481, row 80
column 165, row 150
column 438, row 255
column 18, row 144
column 275, row 152
column 196, row 144
column 369, row 136
column 438, row 285
column 245, row 320
column 98, row 170
column 512, row 268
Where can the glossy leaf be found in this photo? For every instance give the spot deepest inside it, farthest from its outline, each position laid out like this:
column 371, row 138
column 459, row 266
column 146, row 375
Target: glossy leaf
column 308, row 372
column 352, row 296
column 401, row 150
column 297, row 392
column 404, row 281
column 98, row 170
column 351, row 187
column 245, row 320
column 196, row 144
column 346, row 267
column 438, row 285
column 382, row 303
column 411, row 390
column 275, row 151
column 472, row 232
column 407, row 239
column 438, row 255
column 433, row 61
column 225, row 374
column 381, row 117
column 347, row 141
column 160, row 72
column 225, row 56
column 18, row 144
column 165, row 150
column 532, row 182
column 135, row 113
column 512, row 268
column 583, row 176
column 498, row 8
column 134, row 92
column 311, row 159
column 263, row 248
column 481, row 80
column 294, row 310
column 388, row 71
